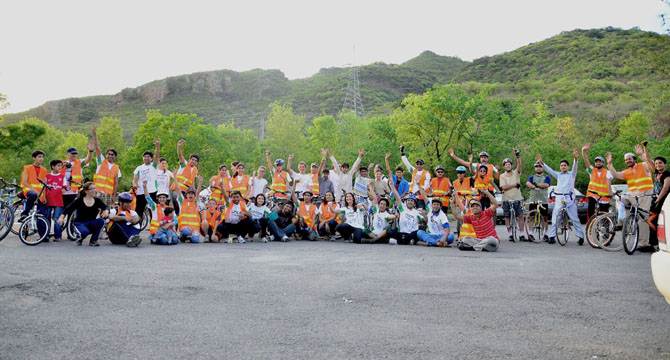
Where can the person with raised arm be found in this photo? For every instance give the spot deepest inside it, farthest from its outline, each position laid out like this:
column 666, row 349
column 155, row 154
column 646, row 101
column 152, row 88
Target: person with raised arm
column 420, row 178
column 107, row 174
column 147, row 171
column 486, row 238
column 345, row 175
column 600, row 184
column 510, row 184
column 73, row 172
column 280, row 178
column 185, row 176
column 408, row 219
column 493, row 171
column 401, row 185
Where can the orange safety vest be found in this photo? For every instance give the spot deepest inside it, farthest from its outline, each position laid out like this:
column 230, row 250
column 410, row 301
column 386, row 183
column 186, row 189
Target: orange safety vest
column 213, row 219
column 326, row 214
column 243, row 208
column 637, row 179
column 598, row 184
column 105, row 178
column 32, row 179
column 76, row 174
column 133, row 204
column 279, row 183
column 464, row 187
column 186, row 177
column 315, row 185
column 422, row 179
column 189, row 217
column 217, row 194
column 242, row 186
column 120, row 212
column 467, row 229
column 483, row 184
column 307, row 214
column 440, row 188
column 489, row 174
column 156, row 216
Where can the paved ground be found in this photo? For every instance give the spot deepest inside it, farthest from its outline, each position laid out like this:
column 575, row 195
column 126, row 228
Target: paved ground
column 327, row 300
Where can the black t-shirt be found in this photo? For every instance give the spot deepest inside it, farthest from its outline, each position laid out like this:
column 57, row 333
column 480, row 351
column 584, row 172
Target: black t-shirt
column 659, row 179
column 283, row 220
column 85, row 213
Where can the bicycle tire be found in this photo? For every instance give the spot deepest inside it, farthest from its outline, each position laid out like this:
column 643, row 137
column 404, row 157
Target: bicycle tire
column 631, row 235
column 146, row 219
column 17, row 208
column 30, row 236
column 513, row 224
column 533, row 227
column 589, row 240
column 563, row 236
column 70, row 229
column 603, row 233
column 6, row 221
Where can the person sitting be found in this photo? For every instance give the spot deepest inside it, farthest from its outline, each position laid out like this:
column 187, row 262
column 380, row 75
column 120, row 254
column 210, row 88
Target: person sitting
column 328, row 212
column 188, row 222
column 235, row 220
column 86, row 221
column 306, row 214
column 486, row 238
column 210, row 220
column 351, row 217
column 281, row 222
column 258, row 211
column 166, row 234
column 380, row 219
column 408, row 220
column 437, row 232
column 124, row 223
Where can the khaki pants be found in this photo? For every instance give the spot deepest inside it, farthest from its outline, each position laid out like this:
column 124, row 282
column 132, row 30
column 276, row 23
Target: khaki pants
column 467, row 243
column 645, row 204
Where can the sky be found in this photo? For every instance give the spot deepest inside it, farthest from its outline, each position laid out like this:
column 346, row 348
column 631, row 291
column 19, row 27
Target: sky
column 52, row 50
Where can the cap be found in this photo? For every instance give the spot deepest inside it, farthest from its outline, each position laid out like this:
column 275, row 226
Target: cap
column 439, row 167
column 125, row 197
column 461, row 169
column 537, row 163
column 484, row 153
column 410, row 197
column 475, row 202
column 436, row 199
column 419, row 161
column 507, row 160
column 600, row 158
column 72, row 151
column 162, row 193
column 190, row 189
column 630, row 154
column 308, row 192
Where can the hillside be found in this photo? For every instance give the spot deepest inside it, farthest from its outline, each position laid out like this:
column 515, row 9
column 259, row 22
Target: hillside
column 600, row 74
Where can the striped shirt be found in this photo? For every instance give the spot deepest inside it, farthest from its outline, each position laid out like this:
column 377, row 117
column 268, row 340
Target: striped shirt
column 484, row 225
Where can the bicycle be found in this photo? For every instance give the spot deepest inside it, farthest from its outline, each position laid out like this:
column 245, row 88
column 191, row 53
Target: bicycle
column 535, row 222
column 562, row 223
column 601, row 227
column 35, row 227
column 6, row 212
column 631, row 231
column 513, row 221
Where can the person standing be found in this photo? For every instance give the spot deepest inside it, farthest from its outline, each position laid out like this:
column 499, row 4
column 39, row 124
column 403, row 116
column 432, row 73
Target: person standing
column 73, row 173
column 510, row 184
column 401, row 185
column 600, row 181
column 280, row 178
column 185, row 176
column 31, row 185
column 259, row 184
column 344, row 174
column 440, row 187
column 539, row 193
column 420, row 178
column 107, row 174
column 147, row 171
column 54, row 196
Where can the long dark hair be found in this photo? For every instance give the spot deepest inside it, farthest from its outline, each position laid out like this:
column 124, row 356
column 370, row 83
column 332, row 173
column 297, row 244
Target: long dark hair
column 353, row 197
column 84, row 188
column 324, row 201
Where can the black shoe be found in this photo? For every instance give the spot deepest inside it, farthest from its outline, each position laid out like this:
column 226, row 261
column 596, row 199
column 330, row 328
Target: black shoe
column 511, row 238
column 531, row 237
column 552, row 240
column 522, row 238
column 647, row 249
column 93, row 243
column 78, row 242
column 580, row 241
column 545, row 238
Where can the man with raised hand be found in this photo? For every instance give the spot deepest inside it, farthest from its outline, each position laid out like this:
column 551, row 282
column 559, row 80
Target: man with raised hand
column 420, row 178
column 345, row 175
column 185, row 176
column 107, row 174
column 510, row 184
column 147, row 171
column 482, row 222
column 73, row 172
column 600, row 181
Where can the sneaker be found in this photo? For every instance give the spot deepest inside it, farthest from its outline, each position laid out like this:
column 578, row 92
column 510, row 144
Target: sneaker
column 285, row 238
column 552, row 240
column 241, row 240
column 134, row 241
column 331, row 238
column 393, row 241
column 511, row 238
column 78, row 242
column 56, row 240
column 580, row 241
column 545, row 238
column 531, row 237
column 366, row 241
column 647, row 249
column 93, row 243
column 230, row 240
column 183, row 238
column 522, row 238
column 264, row 239
column 412, row 242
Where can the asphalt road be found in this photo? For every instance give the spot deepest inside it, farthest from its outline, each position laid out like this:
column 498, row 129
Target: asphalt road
column 327, row 300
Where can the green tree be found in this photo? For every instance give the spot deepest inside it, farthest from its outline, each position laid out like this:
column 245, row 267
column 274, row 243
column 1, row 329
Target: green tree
column 633, row 129
column 285, row 132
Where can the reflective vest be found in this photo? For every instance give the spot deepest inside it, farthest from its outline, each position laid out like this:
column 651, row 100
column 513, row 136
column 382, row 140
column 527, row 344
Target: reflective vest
column 467, row 230
column 213, row 219
column 186, row 177
column 76, row 174
column 489, row 174
column 155, row 219
column 440, row 188
column 217, row 194
column 243, row 208
column 105, row 178
column 279, row 183
column 326, row 213
column 422, row 178
column 315, row 185
column 32, row 179
column 241, row 186
column 464, row 187
column 598, row 184
column 307, row 214
column 133, row 204
column 120, row 212
column 189, row 217
column 637, row 179
column 483, row 184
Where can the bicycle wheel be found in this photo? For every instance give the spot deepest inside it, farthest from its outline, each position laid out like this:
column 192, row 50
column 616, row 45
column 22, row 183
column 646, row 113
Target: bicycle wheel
column 34, row 230
column 602, row 232
column 563, row 232
column 146, row 219
column 631, row 235
column 6, row 221
column 70, row 229
column 17, row 208
column 534, row 224
column 589, row 239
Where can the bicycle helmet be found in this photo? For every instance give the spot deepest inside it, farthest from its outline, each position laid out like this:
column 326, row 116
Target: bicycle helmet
column 190, row 190
column 279, row 162
column 537, row 163
column 461, row 169
column 162, row 193
column 410, row 197
column 600, row 158
column 439, row 167
column 125, row 197
column 419, row 161
column 484, row 153
column 506, row 160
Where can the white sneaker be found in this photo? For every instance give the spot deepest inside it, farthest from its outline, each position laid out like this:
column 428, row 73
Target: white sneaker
column 393, row 241
column 265, row 239
column 285, row 239
column 230, row 240
column 240, row 240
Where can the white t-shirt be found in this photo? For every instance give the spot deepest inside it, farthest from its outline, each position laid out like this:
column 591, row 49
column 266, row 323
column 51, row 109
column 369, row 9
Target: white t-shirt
column 437, row 222
column 163, row 180
column 409, row 219
column 235, row 214
column 68, row 173
column 148, row 173
column 379, row 222
column 305, row 182
column 100, row 159
column 353, row 217
column 257, row 212
column 132, row 214
column 259, row 186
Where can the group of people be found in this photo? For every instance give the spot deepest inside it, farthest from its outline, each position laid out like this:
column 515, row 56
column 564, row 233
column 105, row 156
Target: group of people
column 347, row 202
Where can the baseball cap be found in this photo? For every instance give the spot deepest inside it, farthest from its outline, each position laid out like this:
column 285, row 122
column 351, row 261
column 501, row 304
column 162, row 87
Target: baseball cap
column 72, row 151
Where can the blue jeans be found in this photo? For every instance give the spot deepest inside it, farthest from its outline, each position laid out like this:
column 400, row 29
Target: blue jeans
column 164, row 237
column 119, row 233
column 55, row 211
column 31, row 197
column 433, row 239
column 186, row 232
column 332, row 224
column 92, row 227
column 276, row 231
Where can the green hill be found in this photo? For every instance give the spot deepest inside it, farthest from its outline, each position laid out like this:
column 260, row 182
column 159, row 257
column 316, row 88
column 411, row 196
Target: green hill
column 595, row 76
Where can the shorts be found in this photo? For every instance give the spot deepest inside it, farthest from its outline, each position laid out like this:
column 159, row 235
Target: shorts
column 544, row 209
column 518, row 209
column 106, row 198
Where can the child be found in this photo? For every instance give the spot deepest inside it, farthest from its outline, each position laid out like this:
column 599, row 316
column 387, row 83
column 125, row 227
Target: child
column 211, row 217
column 165, row 234
column 54, row 196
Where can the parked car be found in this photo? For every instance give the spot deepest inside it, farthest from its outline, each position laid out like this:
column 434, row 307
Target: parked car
column 660, row 261
column 582, row 203
column 622, row 187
